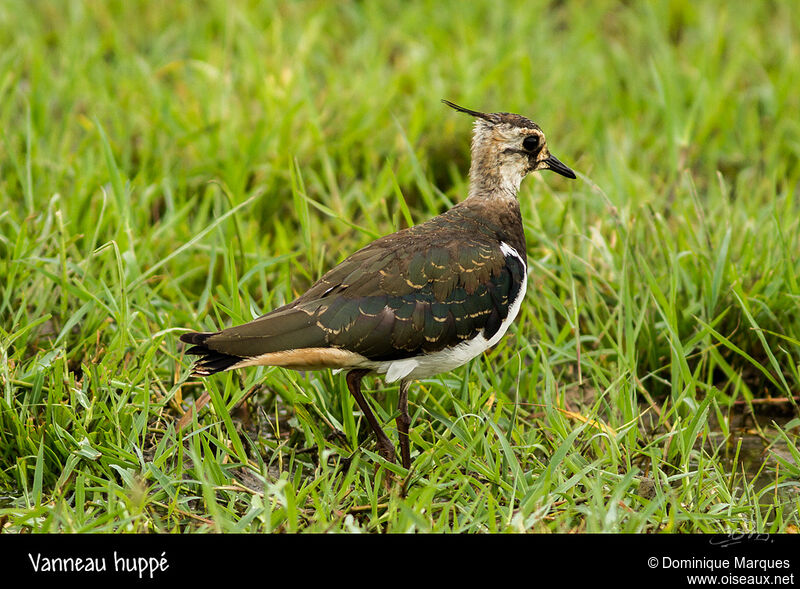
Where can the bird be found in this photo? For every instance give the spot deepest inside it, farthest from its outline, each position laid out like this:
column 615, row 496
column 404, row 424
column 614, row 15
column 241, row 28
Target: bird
column 413, row 304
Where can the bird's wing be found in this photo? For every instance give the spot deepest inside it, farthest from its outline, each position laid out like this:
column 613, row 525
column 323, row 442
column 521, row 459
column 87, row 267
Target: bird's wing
column 403, row 295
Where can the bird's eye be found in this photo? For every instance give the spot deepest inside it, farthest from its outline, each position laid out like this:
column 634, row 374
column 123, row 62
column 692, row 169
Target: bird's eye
column 531, row 143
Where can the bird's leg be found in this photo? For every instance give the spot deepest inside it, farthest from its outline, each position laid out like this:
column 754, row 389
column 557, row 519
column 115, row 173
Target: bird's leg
column 385, row 447
column 403, row 422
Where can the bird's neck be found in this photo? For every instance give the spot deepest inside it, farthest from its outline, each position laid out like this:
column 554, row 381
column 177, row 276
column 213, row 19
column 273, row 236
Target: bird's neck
column 492, row 181
column 499, row 218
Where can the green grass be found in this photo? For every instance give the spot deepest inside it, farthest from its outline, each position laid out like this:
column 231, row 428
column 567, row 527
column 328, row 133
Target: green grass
column 191, row 165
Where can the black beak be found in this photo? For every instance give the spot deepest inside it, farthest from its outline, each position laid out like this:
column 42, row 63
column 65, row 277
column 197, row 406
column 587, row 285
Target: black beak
column 553, row 163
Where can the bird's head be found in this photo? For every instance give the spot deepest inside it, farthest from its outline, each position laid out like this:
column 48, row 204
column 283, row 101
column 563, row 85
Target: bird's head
column 505, row 148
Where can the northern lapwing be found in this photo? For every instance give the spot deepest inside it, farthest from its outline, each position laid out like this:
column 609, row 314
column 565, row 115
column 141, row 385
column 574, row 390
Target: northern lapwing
column 415, row 303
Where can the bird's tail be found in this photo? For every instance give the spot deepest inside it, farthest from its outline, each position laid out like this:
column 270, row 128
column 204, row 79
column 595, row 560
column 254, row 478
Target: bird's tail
column 210, row 361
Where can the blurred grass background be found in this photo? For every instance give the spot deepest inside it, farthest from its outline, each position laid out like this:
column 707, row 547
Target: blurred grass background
column 194, row 164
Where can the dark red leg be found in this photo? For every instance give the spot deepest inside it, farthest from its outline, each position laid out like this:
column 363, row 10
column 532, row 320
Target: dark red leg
column 403, row 422
column 385, row 447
